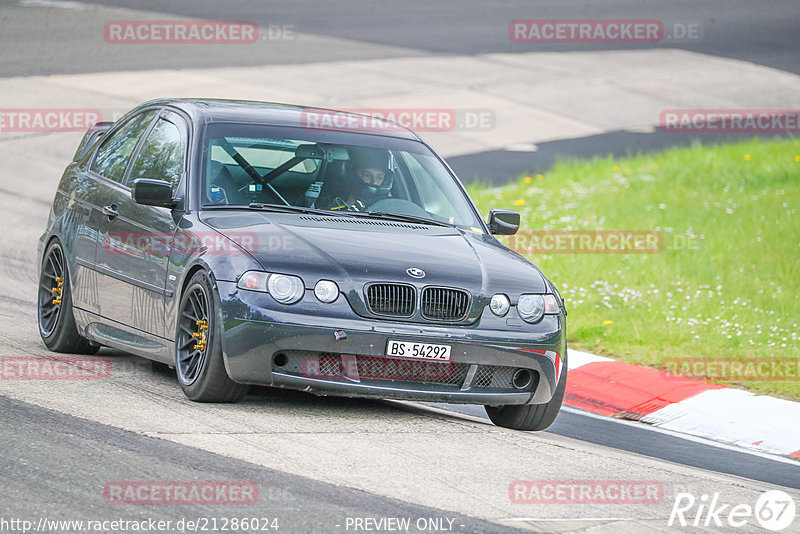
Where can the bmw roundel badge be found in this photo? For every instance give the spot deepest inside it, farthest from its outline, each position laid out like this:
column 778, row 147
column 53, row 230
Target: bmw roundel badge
column 414, row 272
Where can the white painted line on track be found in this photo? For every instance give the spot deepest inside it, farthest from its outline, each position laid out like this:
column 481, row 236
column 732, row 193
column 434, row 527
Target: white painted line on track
column 441, row 411
column 559, row 519
column 578, row 358
column 635, row 424
column 681, row 435
column 61, row 4
column 734, row 416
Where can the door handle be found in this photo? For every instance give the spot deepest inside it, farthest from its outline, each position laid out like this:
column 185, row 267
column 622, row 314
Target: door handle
column 111, row 211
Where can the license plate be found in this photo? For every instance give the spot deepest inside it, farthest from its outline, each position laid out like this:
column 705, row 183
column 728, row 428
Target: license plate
column 419, row 351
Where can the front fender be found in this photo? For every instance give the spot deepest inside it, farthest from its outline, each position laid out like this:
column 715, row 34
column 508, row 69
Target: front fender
column 188, row 256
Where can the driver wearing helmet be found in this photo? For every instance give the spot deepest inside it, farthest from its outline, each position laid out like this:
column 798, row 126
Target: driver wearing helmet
column 367, row 178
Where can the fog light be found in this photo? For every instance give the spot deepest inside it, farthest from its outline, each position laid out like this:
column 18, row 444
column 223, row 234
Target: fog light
column 326, row 291
column 499, row 304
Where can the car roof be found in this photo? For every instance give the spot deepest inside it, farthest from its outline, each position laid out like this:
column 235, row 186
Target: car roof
column 276, row 114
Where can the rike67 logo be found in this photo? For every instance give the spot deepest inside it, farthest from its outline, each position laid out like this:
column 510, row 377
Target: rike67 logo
column 774, row 510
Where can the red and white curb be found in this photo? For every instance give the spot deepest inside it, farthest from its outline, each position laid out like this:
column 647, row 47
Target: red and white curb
column 612, row 388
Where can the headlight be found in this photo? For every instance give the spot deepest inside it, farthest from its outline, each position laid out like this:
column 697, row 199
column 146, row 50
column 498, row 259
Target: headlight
column 551, row 306
column 499, row 304
column 326, row 291
column 253, row 280
column 532, row 307
column 284, row 288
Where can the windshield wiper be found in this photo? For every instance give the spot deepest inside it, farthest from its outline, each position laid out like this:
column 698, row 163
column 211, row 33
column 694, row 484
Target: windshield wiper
column 399, row 217
column 295, row 209
column 365, row 214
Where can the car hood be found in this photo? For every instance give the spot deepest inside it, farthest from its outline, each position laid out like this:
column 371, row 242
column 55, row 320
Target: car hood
column 356, row 251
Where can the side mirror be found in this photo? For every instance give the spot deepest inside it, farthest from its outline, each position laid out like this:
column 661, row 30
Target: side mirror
column 503, row 222
column 152, row 192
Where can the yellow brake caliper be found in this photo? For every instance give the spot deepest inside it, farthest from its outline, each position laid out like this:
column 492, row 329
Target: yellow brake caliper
column 58, row 290
column 201, row 335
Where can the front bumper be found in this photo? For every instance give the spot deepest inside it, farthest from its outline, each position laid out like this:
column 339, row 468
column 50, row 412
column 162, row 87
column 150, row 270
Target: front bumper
column 267, row 343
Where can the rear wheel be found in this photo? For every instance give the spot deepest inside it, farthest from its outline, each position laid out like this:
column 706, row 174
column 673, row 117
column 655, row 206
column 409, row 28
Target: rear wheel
column 56, row 319
column 198, row 351
column 531, row 416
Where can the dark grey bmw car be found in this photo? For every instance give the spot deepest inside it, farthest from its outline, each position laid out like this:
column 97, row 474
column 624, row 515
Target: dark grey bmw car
column 254, row 243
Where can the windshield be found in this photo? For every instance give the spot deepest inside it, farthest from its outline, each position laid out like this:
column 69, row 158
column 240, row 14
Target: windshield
column 244, row 165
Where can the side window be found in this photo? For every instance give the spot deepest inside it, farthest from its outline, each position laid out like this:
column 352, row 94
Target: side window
column 115, row 152
column 161, row 156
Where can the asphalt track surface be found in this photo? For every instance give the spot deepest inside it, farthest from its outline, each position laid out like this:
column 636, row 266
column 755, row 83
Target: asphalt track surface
column 54, row 465
column 66, row 40
column 62, row 443
column 764, row 32
column 500, row 166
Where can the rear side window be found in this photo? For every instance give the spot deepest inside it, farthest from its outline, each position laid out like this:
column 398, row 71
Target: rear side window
column 115, row 152
column 161, row 156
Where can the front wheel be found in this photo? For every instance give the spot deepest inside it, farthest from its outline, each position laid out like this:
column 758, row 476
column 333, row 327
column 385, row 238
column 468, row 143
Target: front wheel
column 198, row 348
column 531, row 416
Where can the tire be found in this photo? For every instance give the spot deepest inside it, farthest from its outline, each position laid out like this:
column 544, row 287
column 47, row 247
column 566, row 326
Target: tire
column 198, row 348
column 531, row 416
column 54, row 309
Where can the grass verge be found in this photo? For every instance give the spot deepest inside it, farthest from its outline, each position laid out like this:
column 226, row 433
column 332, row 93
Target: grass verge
column 719, row 287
